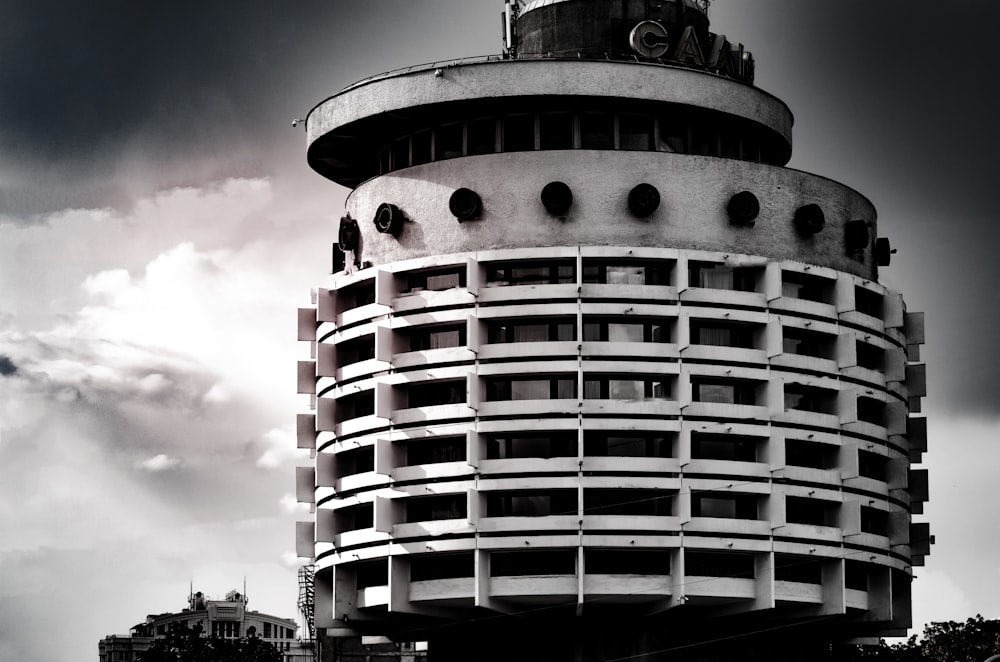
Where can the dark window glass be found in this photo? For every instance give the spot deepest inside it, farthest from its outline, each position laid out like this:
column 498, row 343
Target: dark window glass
column 808, row 343
column 482, row 136
column 722, row 334
column 436, row 337
column 354, row 351
column 801, row 510
column 635, row 132
column 518, row 133
column 531, row 504
column 429, row 394
column 856, row 575
column 555, row 131
column 732, row 392
column 723, row 447
column 625, row 387
column 538, row 330
column 870, row 356
column 435, row 280
column 383, row 161
column 704, row 140
column 353, row 518
column 740, row 506
column 621, row 501
column 721, row 277
column 597, row 131
column 626, row 444
column 871, row 411
column 531, row 273
column 356, row 296
column 872, row 465
column 551, row 388
column 798, row 285
column 673, row 135
column 434, row 451
column 533, row 563
column 401, row 153
column 802, row 569
column 810, row 454
column 428, row 509
column 874, row 521
column 868, row 302
column 370, row 573
column 626, row 562
column 356, row 461
column 427, row 567
column 540, row 445
column 736, row 565
column 355, row 405
column 634, row 273
column 809, row 398
column 448, row 141
column 421, row 147
column 620, row 330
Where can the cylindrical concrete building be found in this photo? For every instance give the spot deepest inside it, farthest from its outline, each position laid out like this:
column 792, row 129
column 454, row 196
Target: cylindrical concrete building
column 593, row 366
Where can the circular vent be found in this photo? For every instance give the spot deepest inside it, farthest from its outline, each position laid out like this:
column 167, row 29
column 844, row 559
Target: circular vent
column 743, row 208
column 883, row 252
column 557, row 198
column 388, row 219
column 465, row 204
column 643, row 200
column 856, row 235
column 809, row 219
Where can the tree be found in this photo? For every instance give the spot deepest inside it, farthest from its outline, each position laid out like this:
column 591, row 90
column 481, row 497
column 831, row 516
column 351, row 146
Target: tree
column 975, row 640
column 184, row 644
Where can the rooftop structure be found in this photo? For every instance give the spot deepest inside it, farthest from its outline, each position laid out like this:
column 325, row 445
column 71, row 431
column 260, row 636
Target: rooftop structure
column 594, row 369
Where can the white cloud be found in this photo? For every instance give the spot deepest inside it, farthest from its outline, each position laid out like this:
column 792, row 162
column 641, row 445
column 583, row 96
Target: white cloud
column 281, row 450
column 159, row 462
column 291, row 505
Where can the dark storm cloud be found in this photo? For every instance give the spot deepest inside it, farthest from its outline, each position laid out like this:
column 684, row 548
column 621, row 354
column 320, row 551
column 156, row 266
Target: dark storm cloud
column 7, row 367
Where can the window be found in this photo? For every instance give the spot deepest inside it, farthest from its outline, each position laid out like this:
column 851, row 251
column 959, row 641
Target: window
column 740, row 506
column 810, row 398
column 436, row 280
column 355, row 405
column 482, row 136
column 555, row 131
column 537, row 445
column 353, row 518
column 627, row 273
column 856, row 575
column 673, row 135
column 401, row 153
column 872, row 465
column 626, row 562
column 874, row 521
column 635, row 132
column 735, row 565
column 597, row 131
column 816, row 512
column 868, row 302
column 801, row 569
column 366, row 573
column 267, row 630
column 704, row 140
column 533, row 563
column 621, row 501
column 428, row 509
column 355, row 461
column 871, row 411
column 356, row 296
column 531, row 503
column 722, row 277
column 733, row 448
column 724, row 391
column 436, row 337
column 536, row 330
column 808, row 343
column 625, row 387
column 614, row 329
column 420, row 146
column 531, row 273
column 518, row 133
column 434, row 451
column 526, row 388
column 428, row 567
column 810, row 454
column 355, row 351
column 448, row 141
column 723, row 334
column 870, row 356
column 430, row 394
column 797, row 285
column 627, row 444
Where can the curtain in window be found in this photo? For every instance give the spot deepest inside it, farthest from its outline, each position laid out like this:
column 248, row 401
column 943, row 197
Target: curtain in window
column 721, row 393
column 625, row 332
column 531, row 333
column 720, row 278
column 708, row 335
column 626, row 389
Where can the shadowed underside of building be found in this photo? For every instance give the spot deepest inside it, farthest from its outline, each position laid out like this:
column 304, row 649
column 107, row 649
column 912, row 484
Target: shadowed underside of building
column 595, row 375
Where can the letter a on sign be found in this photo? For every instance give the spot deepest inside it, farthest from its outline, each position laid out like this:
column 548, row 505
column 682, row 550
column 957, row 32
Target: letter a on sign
column 688, row 49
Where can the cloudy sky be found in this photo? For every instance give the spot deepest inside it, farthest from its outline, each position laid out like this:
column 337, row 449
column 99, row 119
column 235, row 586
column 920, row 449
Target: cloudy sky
column 159, row 226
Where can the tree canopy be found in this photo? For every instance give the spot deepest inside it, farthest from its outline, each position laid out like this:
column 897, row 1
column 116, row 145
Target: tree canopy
column 184, row 644
column 975, row 640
